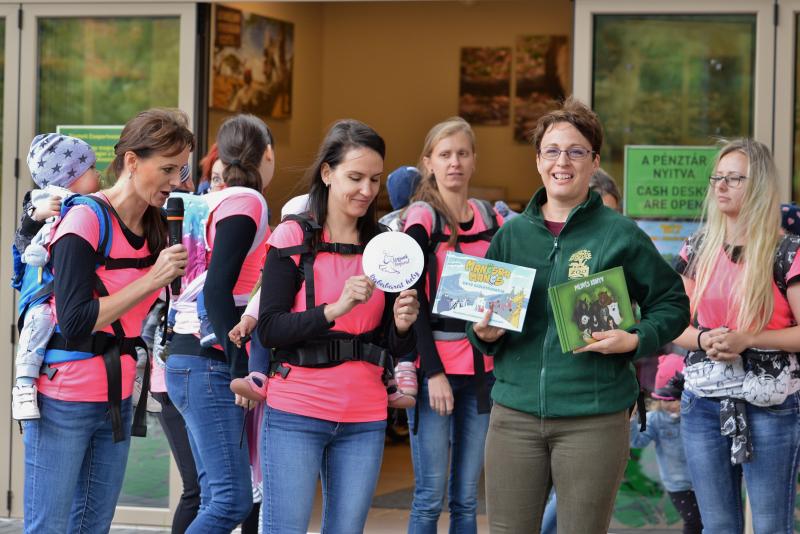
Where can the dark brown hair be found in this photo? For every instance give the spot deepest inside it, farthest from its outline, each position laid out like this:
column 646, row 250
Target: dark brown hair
column 343, row 136
column 241, row 142
column 576, row 113
column 155, row 132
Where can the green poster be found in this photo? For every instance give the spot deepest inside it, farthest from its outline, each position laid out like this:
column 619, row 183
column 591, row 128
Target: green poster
column 101, row 138
column 666, row 181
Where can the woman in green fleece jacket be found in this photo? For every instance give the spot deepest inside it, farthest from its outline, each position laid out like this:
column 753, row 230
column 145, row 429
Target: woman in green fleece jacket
column 562, row 418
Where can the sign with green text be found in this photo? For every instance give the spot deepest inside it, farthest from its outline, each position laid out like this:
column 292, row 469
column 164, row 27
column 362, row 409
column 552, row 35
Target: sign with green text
column 666, row 181
column 101, row 138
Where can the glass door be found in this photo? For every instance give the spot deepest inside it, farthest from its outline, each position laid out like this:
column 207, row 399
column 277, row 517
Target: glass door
column 675, row 72
column 81, row 69
column 787, row 96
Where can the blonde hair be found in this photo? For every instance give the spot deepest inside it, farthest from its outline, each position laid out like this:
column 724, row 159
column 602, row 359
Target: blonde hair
column 427, row 190
column 759, row 231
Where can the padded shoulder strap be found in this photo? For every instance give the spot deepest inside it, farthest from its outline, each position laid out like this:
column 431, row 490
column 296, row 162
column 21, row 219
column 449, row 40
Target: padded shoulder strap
column 784, row 258
column 102, row 211
column 309, row 227
column 216, row 198
column 487, row 213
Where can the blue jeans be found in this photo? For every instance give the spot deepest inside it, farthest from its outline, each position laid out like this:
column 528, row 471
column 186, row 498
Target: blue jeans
column 73, row 468
column 455, row 441
column 297, row 450
column 770, row 476
column 200, row 389
column 549, row 518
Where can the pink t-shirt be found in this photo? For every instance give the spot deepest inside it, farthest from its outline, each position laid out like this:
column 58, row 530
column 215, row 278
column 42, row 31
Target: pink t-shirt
column 351, row 392
column 85, row 380
column 717, row 307
column 456, row 355
column 251, row 268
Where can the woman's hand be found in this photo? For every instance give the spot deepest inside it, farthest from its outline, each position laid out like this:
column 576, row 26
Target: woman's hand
column 243, row 402
column 484, row 331
column 171, row 263
column 726, row 345
column 611, row 342
column 47, row 209
column 242, row 330
column 440, row 394
column 406, row 310
column 357, row 290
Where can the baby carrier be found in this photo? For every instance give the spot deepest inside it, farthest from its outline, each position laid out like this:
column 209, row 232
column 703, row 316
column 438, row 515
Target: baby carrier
column 336, row 347
column 36, row 287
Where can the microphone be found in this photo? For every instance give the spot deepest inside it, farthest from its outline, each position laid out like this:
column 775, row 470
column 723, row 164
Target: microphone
column 175, row 230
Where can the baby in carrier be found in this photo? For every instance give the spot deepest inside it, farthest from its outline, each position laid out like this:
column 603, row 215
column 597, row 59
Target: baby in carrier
column 61, row 166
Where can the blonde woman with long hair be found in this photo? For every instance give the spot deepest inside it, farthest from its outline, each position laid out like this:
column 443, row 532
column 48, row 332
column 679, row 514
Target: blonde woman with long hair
column 740, row 412
column 454, row 392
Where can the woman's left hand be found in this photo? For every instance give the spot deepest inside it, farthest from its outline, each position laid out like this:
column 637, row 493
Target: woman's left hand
column 729, row 345
column 406, row 310
column 611, row 342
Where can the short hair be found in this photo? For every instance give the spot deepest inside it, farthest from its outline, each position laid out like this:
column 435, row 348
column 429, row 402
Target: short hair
column 603, row 184
column 576, row 113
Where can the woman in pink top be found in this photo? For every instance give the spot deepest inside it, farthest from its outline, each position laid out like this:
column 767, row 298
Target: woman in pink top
column 198, row 377
column 329, row 329
column 740, row 411
column 450, row 422
column 75, row 455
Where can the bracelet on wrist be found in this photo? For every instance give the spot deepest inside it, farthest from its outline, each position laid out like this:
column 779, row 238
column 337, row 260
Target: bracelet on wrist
column 699, row 335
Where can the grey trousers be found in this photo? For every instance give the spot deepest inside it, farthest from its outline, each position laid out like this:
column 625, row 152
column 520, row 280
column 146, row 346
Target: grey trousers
column 584, row 457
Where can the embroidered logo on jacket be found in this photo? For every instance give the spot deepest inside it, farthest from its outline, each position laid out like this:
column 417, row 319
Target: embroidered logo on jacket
column 577, row 264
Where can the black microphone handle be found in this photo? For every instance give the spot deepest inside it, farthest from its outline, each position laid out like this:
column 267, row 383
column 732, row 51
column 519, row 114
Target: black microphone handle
column 175, row 228
column 175, row 231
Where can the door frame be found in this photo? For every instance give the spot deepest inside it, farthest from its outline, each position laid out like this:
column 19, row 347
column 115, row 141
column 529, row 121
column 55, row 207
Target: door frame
column 8, row 224
column 25, row 131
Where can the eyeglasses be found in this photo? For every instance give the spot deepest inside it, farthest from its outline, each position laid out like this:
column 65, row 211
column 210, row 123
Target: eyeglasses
column 574, row 153
column 185, row 174
column 731, row 180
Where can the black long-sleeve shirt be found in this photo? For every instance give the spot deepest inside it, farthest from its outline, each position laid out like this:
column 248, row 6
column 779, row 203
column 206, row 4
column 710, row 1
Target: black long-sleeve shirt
column 232, row 242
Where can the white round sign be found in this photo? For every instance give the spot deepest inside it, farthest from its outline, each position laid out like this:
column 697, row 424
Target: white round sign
column 393, row 260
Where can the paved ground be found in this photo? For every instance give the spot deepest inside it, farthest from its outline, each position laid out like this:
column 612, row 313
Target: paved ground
column 14, row 526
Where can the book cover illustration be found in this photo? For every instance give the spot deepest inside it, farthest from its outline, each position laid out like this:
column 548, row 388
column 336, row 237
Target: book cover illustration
column 596, row 303
column 470, row 285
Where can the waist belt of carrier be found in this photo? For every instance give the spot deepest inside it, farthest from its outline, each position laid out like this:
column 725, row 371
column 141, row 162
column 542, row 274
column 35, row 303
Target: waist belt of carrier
column 448, row 328
column 59, row 349
column 333, row 352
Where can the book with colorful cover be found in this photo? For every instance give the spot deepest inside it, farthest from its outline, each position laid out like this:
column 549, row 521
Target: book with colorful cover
column 596, row 303
column 470, row 285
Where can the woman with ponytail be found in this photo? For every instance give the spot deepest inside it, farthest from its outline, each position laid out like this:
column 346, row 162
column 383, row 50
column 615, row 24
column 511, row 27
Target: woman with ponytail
column 452, row 413
column 75, row 454
column 198, row 377
column 740, row 411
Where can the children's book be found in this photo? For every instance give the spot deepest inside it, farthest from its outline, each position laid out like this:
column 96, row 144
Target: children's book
column 470, row 285
column 595, row 303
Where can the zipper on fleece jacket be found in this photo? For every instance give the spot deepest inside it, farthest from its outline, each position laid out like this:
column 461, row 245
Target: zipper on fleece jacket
column 542, row 371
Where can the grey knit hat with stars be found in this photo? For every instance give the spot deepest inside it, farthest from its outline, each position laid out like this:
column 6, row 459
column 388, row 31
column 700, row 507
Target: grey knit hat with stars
column 56, row 159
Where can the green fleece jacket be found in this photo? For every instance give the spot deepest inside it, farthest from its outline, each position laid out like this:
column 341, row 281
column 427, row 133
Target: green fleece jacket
column 533, row 375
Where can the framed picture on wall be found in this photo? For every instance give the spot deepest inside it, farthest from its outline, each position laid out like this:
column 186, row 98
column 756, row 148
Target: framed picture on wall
column 251, row 64
column 542, row 79
column 485, row 85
